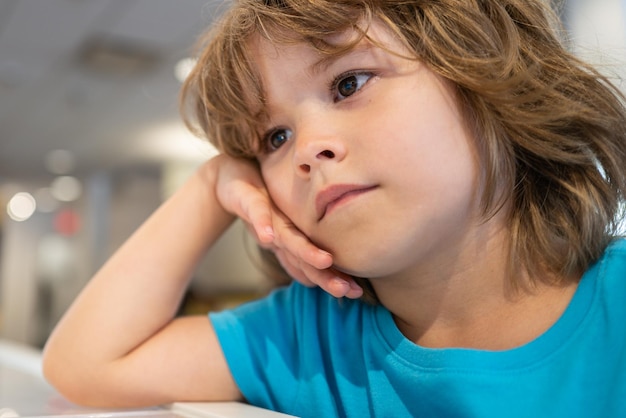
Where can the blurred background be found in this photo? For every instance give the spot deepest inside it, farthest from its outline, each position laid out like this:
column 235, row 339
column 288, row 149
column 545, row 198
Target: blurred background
column 91, row 142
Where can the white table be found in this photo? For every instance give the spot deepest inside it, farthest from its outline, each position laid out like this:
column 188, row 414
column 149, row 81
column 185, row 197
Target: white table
column 25, row 393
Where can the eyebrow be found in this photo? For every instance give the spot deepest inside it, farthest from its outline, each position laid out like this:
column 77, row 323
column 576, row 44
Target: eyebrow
column 364, row 45
column 326, row 61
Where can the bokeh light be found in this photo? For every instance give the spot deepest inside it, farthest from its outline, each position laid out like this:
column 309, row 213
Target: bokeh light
column 66, row 188
column 21, row 206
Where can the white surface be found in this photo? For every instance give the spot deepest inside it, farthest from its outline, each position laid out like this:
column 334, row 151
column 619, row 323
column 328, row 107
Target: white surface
column 222, row 410
column 25, row 393
column 21, row 357
column 28, row 395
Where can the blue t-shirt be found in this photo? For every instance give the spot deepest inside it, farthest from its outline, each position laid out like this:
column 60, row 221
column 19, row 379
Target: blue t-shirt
column 305, row 353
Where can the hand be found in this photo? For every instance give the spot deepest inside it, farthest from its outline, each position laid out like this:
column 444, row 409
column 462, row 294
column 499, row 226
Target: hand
column 241, row 191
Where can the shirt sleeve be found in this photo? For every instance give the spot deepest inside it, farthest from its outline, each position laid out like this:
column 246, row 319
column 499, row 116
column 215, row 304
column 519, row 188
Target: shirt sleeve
column 260, row 345
column 296, row 350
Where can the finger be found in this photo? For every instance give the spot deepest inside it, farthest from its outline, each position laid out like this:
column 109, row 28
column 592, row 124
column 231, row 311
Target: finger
column 256, row 211
column 261, row 243
column 333, row 282
column 337, row 283
column 355, row 291
column 290, row 239
column 310, row 276
column 293, row 270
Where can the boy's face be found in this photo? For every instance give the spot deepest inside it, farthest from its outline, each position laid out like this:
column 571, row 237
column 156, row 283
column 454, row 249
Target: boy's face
column 369, row 155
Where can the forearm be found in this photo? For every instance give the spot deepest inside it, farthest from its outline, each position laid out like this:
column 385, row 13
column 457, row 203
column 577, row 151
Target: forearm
column 137, row 292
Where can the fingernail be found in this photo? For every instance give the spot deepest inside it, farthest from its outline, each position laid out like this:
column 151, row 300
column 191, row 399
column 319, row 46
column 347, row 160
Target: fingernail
column 355, row 286
column 341, row 281
column 345, row 286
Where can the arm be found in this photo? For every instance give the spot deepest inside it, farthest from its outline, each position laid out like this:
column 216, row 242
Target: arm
column 118, row 344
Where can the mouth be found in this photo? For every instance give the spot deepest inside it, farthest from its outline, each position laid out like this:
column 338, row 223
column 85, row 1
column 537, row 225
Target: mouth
column 333, row 196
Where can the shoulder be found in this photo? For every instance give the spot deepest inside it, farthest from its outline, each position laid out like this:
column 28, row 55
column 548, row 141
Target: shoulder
column 609, row 274
column 613, row 260
column 617, row 246
column 294, row 305
column 295, row 337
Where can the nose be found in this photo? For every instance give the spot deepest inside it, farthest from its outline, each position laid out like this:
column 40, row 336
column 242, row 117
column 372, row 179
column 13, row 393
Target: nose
column 316, row 147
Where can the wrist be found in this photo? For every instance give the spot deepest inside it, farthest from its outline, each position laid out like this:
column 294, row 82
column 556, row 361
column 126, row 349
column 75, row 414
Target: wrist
column 203, row 184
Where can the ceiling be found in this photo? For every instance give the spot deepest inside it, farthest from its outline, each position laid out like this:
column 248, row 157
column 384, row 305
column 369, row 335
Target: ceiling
column 96, row 77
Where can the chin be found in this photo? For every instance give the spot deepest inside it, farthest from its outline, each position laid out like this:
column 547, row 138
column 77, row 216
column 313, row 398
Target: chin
column 357, row 260
column 359, row 265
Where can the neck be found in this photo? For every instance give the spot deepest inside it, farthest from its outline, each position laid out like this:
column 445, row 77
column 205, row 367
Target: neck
column 464, row 299
column 493, row 323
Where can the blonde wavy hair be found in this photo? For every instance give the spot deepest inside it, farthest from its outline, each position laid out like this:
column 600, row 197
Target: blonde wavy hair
column 551, row 128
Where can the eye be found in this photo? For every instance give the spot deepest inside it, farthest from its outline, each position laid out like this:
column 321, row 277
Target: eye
column 346, row 85
column 276, row 138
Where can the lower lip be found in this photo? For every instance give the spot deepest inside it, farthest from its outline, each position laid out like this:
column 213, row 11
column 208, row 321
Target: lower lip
column 345, row 198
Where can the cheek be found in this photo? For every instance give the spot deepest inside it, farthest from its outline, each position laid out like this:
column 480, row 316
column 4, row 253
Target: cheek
column 280, row 188
column 271, row 178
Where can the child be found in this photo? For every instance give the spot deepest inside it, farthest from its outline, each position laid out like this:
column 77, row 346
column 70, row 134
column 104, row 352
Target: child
column 447, row 159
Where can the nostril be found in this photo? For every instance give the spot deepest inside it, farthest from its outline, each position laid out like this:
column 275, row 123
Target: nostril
column 305, row 167
column 327, row 154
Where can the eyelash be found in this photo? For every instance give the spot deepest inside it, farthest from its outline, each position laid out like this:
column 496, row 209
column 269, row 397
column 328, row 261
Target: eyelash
column 267, row 147
column 334, row 85
column 334, row 91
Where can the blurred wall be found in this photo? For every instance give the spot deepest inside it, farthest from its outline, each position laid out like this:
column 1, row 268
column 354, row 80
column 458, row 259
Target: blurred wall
column 42, row 268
